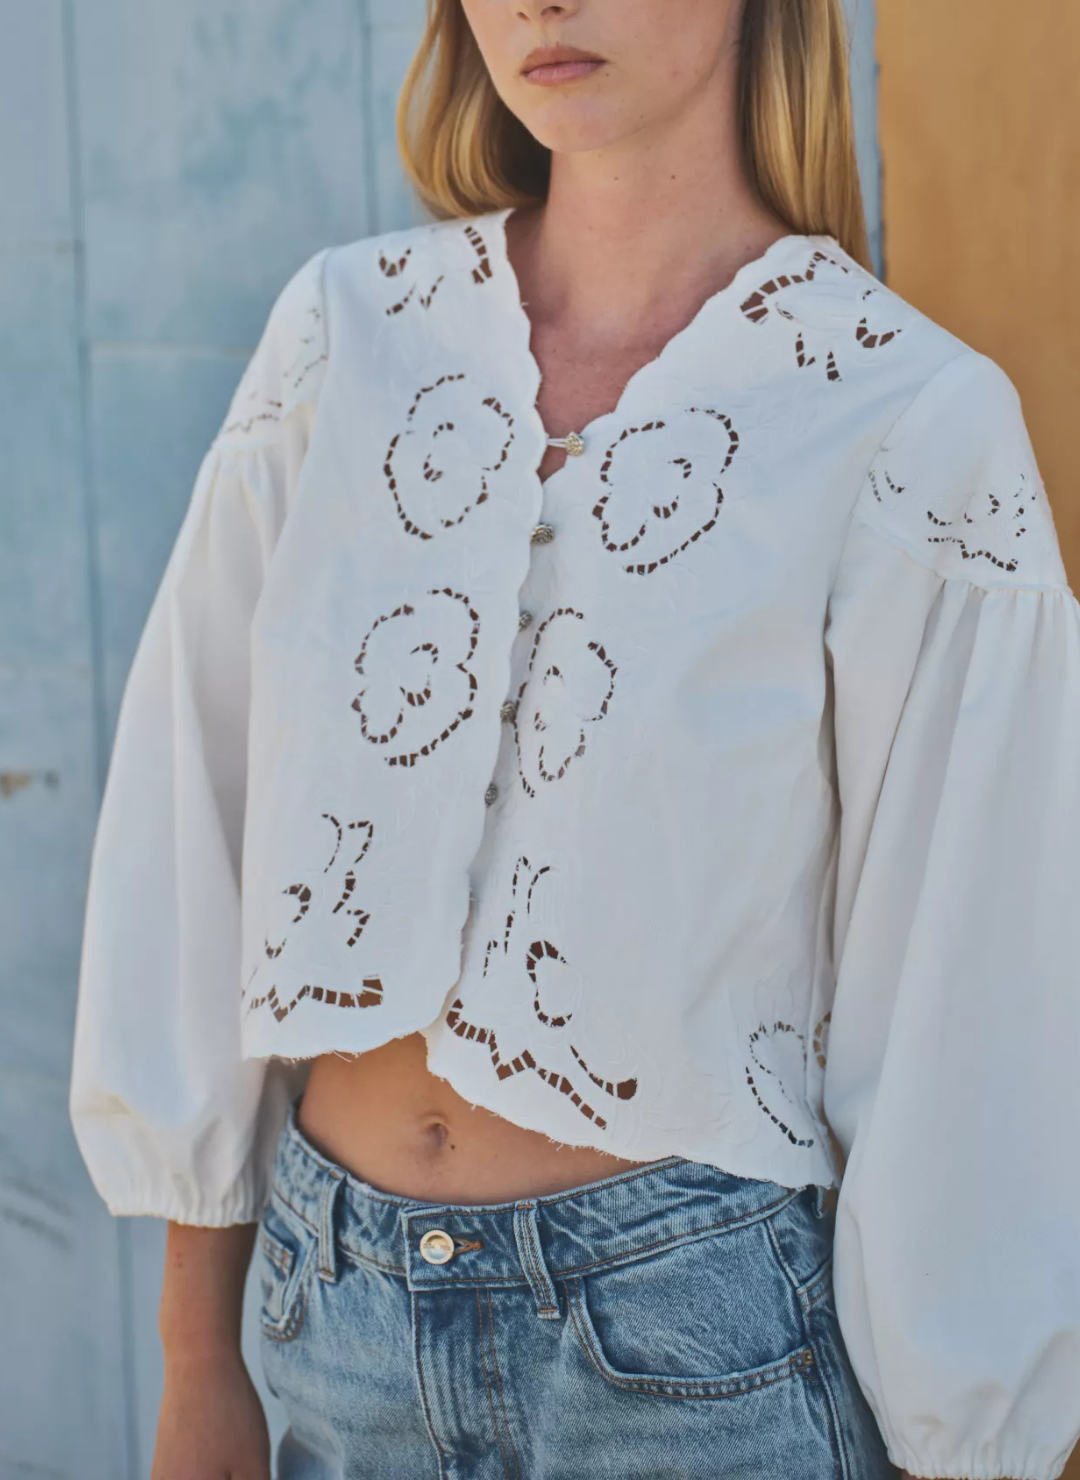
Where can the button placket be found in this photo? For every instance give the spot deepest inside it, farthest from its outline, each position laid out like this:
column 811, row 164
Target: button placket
column 541, row 534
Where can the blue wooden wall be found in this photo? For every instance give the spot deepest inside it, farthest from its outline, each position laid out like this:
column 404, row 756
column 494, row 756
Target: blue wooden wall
column 164, row 166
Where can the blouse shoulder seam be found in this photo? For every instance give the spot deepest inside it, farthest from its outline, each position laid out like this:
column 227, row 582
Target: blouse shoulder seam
column 236, row 443
column 890, row 537
column 856, row 505
column 263, row 427
column 971, row 365
column 963, row 353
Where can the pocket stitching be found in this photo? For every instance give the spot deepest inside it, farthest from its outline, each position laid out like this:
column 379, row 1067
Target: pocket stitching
column 278, row 1253
column 293, row 1295
column 737, row 1385
column 810, row 1291
column 289, row 1327
column 818, row 1287
column 809, row 1295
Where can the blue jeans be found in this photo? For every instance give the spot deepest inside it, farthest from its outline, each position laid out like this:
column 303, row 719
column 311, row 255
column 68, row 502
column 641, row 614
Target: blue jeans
column 672, row 1321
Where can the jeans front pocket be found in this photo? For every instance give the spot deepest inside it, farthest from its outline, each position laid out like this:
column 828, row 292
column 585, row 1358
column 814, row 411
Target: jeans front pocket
column 711, row 1318
column 287, row 1250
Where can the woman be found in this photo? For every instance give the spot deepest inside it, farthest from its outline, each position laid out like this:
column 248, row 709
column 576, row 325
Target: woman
column 634, row 651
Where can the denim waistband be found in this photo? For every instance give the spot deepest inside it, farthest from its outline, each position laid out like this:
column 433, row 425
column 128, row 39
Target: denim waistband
column 526, row 1241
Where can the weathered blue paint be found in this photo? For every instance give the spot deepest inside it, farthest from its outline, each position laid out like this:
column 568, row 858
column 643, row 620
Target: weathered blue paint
column 59, row 1266
column 164, row 166
column 864, row 84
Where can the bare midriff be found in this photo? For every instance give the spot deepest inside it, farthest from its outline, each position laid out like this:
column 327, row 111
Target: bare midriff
column 387, row 1119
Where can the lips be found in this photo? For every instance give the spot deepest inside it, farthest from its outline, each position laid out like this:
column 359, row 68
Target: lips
column 555, row 64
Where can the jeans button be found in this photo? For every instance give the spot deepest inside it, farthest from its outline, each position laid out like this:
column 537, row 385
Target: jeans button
column 436, row 1246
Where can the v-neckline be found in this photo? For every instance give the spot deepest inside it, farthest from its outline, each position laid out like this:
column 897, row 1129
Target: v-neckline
column 743, row 281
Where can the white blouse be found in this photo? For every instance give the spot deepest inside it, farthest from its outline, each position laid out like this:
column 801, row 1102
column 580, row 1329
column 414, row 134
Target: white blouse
column 718, row 796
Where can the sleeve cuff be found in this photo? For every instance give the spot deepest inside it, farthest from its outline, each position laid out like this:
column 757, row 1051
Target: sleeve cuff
column 243, row 1205
column 981, row 1462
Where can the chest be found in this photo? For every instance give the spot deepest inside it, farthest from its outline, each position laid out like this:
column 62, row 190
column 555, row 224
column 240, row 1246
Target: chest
column 583, row 378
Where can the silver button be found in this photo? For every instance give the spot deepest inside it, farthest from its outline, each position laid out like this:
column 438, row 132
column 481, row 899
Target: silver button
column 491, row 793
column 436, row 1246
column 524, row 618
column 508, row 710
column 543, row 534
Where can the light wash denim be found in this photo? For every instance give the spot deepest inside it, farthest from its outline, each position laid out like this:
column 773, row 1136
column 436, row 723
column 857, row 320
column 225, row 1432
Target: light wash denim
column 672, row 1321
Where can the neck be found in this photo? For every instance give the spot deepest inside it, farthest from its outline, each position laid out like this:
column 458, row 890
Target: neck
column 664, row 218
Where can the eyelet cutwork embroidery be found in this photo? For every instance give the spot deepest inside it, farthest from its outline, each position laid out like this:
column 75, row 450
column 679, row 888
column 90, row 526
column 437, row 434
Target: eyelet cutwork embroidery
column 392, row 268
column 397, row 267
column 821, row 1040
column 987, row 519
column 270, row 411
column 252, row 404
column 537, row 950
column 676, row 466
column 530, row 956
column 875, row 485
column 438, row 468
column 623, row 1089
column 778, row 1052
column 781, row 295
column 354, row 917
column 370, row 996
column 482, row 271
column 987, row 527
column 568, row 684
column 418, row 686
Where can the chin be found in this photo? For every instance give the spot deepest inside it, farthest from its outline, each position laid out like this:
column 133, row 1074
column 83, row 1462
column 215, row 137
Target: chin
column 576, row 128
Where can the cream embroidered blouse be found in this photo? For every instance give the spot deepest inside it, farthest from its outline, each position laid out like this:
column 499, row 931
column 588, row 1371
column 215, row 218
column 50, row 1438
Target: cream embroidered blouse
column 720, row 791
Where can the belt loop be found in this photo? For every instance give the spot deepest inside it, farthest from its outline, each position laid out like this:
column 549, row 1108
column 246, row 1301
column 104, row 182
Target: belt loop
column 825, row 1199
column 327, row 1253
column 527, row 1238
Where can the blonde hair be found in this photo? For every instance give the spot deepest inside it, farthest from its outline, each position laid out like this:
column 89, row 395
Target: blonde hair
column 466, row 153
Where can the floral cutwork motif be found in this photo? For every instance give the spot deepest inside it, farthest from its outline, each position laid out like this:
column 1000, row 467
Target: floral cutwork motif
column 568, row 685
column 370, row 995
column 676, row 466
column 439, row 467
column 816, row 327
column 985, row 522
column 341, row 879
column 252, row 403
column 777, row 1055
column 512, row 953
column 988, row 526
column 875, row 484
column 418, row 687
column 394, row 267
column 399, row 269
column 535, row 952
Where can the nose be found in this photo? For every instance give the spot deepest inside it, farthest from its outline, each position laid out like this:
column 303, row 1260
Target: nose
column 538, row 10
